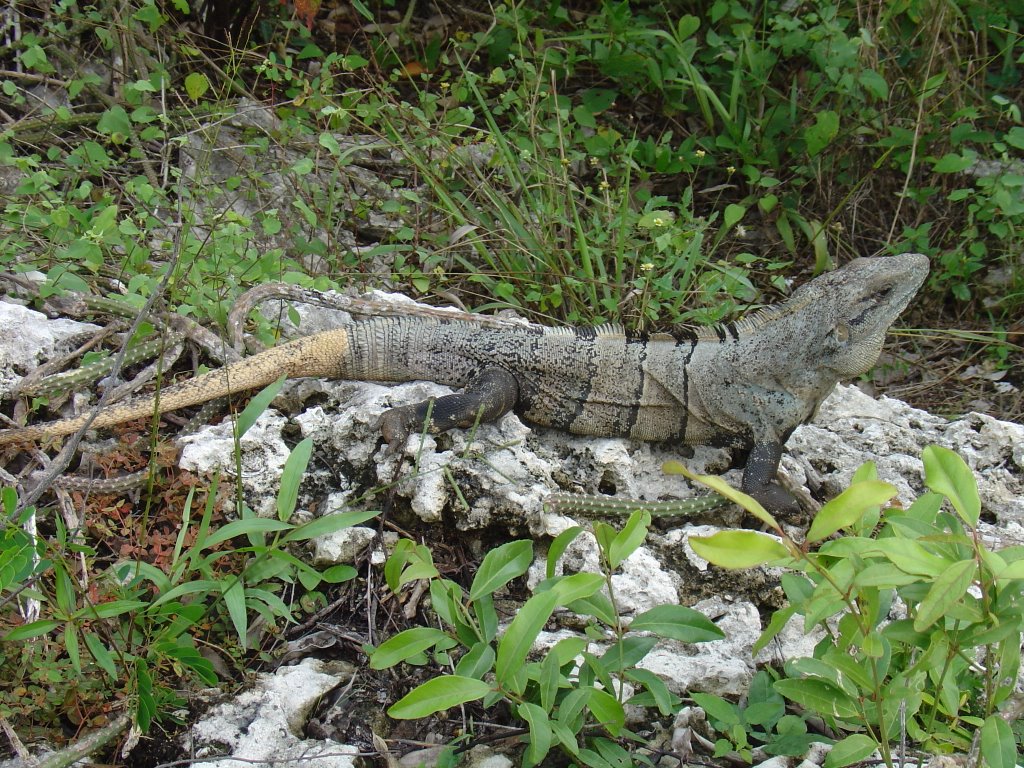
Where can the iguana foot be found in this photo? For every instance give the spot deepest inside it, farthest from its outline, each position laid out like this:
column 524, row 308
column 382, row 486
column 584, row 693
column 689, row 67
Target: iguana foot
column 396, row 424
column 776, row 499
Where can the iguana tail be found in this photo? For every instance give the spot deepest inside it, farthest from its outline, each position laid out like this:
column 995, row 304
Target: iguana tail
column 321, row 354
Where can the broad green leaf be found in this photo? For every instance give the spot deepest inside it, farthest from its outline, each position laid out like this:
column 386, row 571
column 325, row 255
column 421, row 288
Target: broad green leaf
column 948, row 588
column 233, row 592
column 733, row 214
column 874, row 84
column 663, row 698
column 848, row 507
column 629, row 538
column 111, row 609
column 547, row 681
column 907, row 555
column 257, row 405
column 627, row 652
column 196, row 85
column 739, row 549
column 721, row 487
column 115, row 123
column 954, row 163
column 567, row 649
column 437, row 695
column 146, row 706
column 518, row 639
column 500, row 566
column 570, row 710
column 245, row 528
column 291, row 478
column 576, row 587
column 404, row 645
column 558, row 547
column 946, row 473
column 565, row 736
column 678, row 623
column 717, row 708
column 101, row 654
column 328, row 524
column 821, row 134
column 818, row 696
column 478, row 661
column 998, row 747
column 607, row 710
column 540, row 732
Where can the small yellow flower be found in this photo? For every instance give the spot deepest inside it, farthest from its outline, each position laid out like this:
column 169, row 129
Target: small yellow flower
column 565, row 162
column 604, row 185
column 646, row 266
column 593, row 161
column 730, row 169
column 741, row 231
column 445, row 86
column 658, row 221
column 700, row 153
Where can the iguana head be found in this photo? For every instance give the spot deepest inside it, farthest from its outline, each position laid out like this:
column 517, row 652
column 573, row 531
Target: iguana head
column 849, row 310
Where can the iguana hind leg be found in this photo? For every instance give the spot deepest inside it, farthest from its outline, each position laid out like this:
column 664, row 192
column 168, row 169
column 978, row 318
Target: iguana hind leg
column 759, row 479
column 492, row 393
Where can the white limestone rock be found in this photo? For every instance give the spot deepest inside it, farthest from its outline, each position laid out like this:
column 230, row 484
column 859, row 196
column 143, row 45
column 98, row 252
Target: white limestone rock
column 852, row 428
column 28, row 338
column 263, row 725
column 263, row 453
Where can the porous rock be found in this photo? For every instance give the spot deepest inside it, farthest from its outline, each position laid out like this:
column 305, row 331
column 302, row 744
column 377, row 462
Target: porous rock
column 264, row 724
column 27, row 338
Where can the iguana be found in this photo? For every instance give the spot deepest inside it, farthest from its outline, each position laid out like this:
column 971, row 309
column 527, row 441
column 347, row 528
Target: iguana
column 745, row 384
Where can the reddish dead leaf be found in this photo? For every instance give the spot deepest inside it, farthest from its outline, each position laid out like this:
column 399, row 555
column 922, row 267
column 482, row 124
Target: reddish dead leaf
column 306, row 11
column 413, row 68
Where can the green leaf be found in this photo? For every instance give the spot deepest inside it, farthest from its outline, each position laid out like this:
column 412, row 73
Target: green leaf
column 548, row 679
column 291, row 477
column 733, row 214
column 500, row 566
column 328, row 524
column 405, row 645
column 114, row 123
column 576, row 586
column 722, row 488
column 848, row 507
column 998, row 747
column 477, row 662
column 101, row 654
column 664, row 699
column 717, row 708
column 821, row 134
column 818, row 696
column 678, row 623
column 629, row 538
column 196, row 85
column 234, row 600
column 946, row 473
column 540, row 732
column 874, row 84
column 948, row 588
column 738, row 549
column 245, row 528
column 1015, row 137
column 146, row 706
column 607, row 710
column 518, row 639
column 257, row 405
column 954, row 163
column 437, row 695
column 558, row 547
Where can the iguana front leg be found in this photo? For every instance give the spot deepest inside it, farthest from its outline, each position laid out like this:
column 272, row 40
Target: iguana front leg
column 492, row 393
column 759, row 479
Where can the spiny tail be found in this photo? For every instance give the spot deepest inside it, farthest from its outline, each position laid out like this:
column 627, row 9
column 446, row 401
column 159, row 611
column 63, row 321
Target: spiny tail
column 322, row 354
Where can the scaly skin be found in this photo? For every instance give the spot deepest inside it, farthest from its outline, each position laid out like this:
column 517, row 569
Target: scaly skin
column 746, row 385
